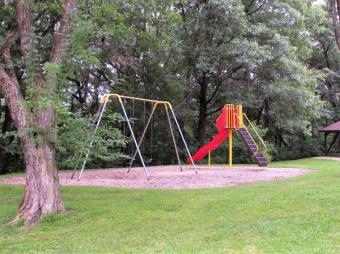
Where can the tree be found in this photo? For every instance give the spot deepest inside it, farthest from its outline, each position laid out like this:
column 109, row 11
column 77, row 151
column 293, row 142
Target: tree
column 210, row 34
column 26, row 69
column 330, row 47
column 244, row 52
column 334, row 11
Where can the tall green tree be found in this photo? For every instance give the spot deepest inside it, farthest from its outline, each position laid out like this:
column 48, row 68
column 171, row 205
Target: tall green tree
column 249, row 52
column 31, row 52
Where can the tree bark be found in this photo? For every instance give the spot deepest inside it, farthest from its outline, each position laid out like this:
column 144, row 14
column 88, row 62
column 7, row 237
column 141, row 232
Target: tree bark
column 203, row 109
column 334, row 11
column 42, row 193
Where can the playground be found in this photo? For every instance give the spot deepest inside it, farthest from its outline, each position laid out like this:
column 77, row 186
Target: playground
column 231, row 119
column 187, row 174
column 170, row 177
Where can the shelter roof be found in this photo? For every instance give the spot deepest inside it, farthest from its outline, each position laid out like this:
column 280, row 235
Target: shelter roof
column 334, row 127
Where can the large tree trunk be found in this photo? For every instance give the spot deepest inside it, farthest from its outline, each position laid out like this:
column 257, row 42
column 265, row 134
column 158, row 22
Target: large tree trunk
column 203, row 110
column 334, row 11
column 42, row 194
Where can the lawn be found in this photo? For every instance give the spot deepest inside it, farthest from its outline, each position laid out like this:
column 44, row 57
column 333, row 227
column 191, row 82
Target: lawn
column 298, row 215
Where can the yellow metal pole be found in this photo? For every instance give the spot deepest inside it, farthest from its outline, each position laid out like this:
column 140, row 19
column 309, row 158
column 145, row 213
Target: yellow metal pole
column 240, row 116
column 209, row 159
column 230, row 148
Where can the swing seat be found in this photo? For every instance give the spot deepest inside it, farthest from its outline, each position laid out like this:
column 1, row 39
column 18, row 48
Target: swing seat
column 148, row 161
column 130, row 162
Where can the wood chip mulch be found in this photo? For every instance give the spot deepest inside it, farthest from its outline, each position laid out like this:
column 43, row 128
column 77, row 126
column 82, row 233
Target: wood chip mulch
column 170, row 177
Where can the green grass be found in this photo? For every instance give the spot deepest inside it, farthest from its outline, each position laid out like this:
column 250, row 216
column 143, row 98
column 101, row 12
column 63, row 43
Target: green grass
column 298, row 215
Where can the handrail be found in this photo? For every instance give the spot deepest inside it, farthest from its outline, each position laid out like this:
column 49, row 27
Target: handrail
column 257, row 148
column 257, row 134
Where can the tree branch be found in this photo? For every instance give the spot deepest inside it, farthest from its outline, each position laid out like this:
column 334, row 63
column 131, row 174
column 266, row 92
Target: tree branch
column 5, row 49
column 24, row 22
column 221, row 81
column 325, row 50
column 335, row 17
column 215, row 110
column 10, row 39
column 61, row 35
column 9, row 87
column 215, row 92
column 257, row 9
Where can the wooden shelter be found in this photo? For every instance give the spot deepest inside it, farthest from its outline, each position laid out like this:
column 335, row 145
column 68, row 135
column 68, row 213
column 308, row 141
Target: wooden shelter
column 333, row 128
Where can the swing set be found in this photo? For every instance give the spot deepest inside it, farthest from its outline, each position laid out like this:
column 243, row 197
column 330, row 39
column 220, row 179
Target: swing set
column 155, row 104
column 132, row 120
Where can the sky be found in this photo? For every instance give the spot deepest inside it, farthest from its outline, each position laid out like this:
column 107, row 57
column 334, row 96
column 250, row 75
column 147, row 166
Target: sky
column 319, row 2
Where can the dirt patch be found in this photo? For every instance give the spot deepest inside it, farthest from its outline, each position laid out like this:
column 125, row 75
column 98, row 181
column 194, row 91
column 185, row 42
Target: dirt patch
column 170, row 177
column 327, row 158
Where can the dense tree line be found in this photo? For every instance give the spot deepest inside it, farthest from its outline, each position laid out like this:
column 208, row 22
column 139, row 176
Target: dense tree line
column 279, row 59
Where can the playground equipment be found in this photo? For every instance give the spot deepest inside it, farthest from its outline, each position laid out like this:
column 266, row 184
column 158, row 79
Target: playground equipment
column 149, row 160
column 154, row 105
column 232, row 118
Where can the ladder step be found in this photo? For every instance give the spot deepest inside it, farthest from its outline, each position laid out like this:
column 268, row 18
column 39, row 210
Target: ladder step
column 244, row 134
column 252, row 148
column 259, row 156
column 248, row 140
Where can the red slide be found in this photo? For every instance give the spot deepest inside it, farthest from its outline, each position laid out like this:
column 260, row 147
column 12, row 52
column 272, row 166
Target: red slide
column 212, row 145
column 222, row 135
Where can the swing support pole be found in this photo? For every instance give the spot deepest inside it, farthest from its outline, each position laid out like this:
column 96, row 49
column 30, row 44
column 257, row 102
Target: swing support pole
column 183, row 139
column 91, row 142
column 209, row 159
column 143, row 135
column 81, row 154
column 173, row 136
column 133, row 137
column 230, row 149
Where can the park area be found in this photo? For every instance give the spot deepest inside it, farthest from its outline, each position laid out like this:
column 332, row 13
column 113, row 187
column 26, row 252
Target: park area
column 170, row 126
column 295, row 215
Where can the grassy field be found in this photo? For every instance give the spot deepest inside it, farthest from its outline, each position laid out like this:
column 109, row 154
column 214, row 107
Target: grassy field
column 298, row 215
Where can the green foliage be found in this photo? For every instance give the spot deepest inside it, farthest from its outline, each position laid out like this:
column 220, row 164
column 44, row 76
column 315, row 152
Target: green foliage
column 10, row 153
column 75, row 134
column 52, row 68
